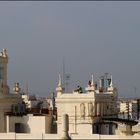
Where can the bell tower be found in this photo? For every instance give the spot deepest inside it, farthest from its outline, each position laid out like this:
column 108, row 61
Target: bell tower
column 4, row 89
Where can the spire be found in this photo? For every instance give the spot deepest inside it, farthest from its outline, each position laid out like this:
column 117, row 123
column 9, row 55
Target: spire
column 92, row 80
column 4, row 53
column 60, row 81
column 59, row 88
column 111, row 82
column 111, row 88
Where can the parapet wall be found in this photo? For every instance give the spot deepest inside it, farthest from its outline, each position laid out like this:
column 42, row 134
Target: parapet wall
column 14, row 136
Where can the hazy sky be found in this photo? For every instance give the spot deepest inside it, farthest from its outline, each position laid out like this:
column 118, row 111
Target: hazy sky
column 92, row 37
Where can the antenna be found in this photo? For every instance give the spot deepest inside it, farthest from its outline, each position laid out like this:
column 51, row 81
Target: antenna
column 66, row 77
column 27, row 90
column 135, row 91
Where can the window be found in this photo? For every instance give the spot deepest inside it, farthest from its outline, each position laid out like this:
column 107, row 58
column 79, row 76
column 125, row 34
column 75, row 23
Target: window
column 19, row 128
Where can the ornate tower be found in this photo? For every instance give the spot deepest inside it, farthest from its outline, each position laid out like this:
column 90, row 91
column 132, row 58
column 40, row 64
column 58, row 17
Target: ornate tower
column 4, row 89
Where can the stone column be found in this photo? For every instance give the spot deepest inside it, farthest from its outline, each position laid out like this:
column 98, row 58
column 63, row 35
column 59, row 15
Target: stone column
column 65, row 127
column 7, row 124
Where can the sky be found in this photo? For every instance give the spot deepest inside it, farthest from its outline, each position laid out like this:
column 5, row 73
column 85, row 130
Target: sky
column 89, row 37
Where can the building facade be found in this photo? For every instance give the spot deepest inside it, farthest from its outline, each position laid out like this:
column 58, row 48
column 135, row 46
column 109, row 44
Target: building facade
column 86, row 110
column 7, row 99
column 80, row 115
column 129, row 108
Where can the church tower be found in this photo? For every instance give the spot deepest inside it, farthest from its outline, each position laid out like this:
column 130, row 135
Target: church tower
column 4, row 89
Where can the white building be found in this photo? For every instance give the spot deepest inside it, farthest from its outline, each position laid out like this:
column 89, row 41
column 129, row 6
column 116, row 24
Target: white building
column 85, row 110
column 129, row 109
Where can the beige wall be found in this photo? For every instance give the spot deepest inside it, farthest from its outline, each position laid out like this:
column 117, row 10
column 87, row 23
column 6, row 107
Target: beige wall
column 5, row 106
column 84, row 109
column 71, row 105
column 32, row 124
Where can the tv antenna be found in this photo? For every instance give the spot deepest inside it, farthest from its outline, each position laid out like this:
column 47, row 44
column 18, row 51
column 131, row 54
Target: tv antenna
column 66, row 78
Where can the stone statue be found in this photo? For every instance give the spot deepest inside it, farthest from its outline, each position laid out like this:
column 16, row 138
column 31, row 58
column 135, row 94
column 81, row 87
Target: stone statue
column 79, row 89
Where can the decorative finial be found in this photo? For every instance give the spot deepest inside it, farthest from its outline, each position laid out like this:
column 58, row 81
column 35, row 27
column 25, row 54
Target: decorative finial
column 59, row 88
column 92, row 81
column 111, row 82
column 90, row 87
column 16, row 88
column 4, row 53
column 60, row 82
